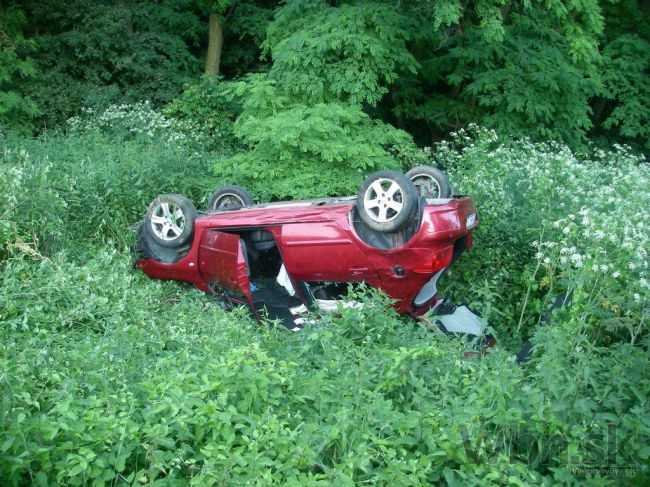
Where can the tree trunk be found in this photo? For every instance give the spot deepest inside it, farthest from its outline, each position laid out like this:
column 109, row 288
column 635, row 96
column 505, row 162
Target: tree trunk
column 215, row 42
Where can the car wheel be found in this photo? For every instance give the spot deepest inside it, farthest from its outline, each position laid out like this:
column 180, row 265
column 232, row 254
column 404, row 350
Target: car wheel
column 387, row 201
column 146, row 248
column 170, row 220
column 430, row 182
column 229, row 198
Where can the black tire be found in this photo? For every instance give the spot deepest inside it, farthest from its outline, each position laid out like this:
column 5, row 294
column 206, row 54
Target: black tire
column 430, row 182
column 230, row 198
column 146, row 248
column 403, row 196
column 169, row 221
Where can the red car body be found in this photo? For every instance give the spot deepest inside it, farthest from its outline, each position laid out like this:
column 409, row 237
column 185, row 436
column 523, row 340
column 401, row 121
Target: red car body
column 318, row 241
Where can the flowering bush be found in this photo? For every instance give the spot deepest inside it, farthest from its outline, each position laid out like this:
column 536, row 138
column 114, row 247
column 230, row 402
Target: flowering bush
column 557, row 222
column 142, row 121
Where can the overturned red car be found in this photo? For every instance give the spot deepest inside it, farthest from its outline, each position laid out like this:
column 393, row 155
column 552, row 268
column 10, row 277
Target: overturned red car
column 399, row 234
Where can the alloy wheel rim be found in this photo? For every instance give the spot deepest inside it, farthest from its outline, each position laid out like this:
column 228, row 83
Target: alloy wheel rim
column 383, row 200
column 167, row 221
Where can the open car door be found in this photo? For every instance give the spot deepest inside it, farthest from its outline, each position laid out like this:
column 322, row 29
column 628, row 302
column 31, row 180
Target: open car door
column 223, row 264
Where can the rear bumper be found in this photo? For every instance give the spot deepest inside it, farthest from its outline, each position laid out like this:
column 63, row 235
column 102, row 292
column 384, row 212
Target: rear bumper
column 449, row 221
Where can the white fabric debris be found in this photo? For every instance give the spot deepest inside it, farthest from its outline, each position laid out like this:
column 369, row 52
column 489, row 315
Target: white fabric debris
column 333, row 304
column 462, row 320
column 284, row 281
column 298, row 309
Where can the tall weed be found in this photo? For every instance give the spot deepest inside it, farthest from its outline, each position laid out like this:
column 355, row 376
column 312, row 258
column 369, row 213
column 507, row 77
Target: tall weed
column 64, row 191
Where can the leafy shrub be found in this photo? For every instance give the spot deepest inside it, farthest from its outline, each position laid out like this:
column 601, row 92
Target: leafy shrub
column 17, row 111
column 137, row 121
column 206, row 105
column 109, row 377
column 98, row 54
column 554, row 222
column 627, row 66
column 31, row 208
column 299, row 150
column 302, row 125
column 345, row 53
column 529, row 84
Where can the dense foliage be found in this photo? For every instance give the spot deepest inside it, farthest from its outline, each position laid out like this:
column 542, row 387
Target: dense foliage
column 293, row 147
column 91, row 54
column 110, row 378
column 16, row 110
column 563, row 223
column 558, row 69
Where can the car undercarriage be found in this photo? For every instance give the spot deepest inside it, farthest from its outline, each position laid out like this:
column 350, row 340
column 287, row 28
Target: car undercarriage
column 283, row 259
